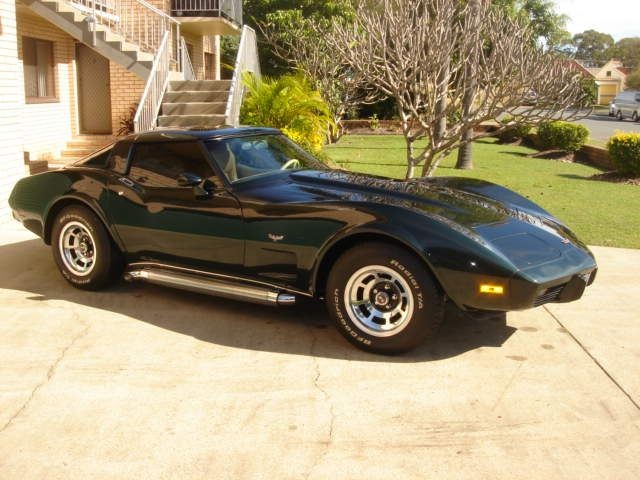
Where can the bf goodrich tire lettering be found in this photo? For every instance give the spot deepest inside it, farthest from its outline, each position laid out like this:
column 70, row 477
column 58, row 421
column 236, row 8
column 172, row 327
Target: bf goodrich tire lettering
column 383, row 299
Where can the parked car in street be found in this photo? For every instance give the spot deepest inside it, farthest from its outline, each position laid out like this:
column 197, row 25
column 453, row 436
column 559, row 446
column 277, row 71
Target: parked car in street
column 247, row 214
column 626, row 105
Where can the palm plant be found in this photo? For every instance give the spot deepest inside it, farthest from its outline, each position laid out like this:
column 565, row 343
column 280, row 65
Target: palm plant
column 291, row 104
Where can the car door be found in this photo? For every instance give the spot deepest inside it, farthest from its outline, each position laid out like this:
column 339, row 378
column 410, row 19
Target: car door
column 160, row 219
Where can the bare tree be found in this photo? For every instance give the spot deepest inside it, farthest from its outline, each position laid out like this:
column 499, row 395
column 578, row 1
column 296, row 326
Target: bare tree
column 303, row 43
column 451, row 66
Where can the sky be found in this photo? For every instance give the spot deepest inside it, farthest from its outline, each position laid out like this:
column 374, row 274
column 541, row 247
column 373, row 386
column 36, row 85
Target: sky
column 620, row 18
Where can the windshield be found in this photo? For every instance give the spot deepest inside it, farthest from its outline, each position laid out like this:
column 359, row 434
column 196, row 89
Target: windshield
column 250, row 156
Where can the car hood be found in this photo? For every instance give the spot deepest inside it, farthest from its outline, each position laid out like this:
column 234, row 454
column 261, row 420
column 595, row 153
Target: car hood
column 468, row 202
column 493, row 215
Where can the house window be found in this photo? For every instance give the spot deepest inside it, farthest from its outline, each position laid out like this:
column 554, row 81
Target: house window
column 39, row 81
column 608, row 73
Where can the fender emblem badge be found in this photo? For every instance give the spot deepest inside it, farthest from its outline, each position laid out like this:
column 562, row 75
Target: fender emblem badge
column 276, row 238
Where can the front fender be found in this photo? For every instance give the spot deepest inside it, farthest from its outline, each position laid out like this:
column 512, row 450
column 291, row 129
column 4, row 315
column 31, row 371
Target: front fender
column 445, row 248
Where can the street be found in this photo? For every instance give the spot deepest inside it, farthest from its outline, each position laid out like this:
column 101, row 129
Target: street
column 602, row 126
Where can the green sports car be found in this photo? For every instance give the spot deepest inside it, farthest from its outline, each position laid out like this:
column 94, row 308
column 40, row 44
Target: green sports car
column 246, row 214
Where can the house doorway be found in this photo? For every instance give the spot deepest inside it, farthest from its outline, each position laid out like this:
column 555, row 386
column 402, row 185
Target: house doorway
column 94, row 93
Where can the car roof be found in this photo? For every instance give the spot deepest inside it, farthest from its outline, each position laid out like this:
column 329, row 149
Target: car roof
column 178, row 135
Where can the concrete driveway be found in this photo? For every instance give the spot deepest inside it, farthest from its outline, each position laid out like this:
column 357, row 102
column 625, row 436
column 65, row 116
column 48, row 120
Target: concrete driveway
column 145, row 382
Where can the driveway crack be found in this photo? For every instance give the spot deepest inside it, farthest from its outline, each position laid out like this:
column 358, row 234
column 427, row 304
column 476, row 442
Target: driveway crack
column 50, row 374
column 318, row 386
column 594, row 359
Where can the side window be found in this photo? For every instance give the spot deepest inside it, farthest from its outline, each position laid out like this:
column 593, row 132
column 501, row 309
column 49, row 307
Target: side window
column 160, row 164
column 119, row 157
column 637, row 97
column 99, row 160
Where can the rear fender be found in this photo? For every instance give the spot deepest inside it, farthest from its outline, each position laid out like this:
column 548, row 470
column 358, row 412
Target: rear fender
column 77, row 198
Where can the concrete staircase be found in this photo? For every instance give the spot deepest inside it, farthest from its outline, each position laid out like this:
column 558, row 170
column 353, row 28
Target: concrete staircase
column 194, row 104
column 73, row 21
column 79, row 147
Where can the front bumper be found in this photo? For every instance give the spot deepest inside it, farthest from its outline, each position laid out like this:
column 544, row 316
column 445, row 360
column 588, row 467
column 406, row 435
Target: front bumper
column 518, row 292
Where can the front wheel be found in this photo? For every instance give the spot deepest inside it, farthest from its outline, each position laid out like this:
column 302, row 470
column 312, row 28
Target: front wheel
column 383, row 299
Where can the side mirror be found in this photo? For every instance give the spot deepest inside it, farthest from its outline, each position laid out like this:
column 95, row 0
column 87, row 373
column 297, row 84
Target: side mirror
column 188, row 179
column 204, row 190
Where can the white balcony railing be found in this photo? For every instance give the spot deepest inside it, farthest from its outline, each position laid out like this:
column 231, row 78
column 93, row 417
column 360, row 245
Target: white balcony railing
column 247, row 61
column 229, row 9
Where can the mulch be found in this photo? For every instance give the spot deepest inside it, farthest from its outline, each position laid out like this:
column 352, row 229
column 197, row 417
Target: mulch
column 616, row 177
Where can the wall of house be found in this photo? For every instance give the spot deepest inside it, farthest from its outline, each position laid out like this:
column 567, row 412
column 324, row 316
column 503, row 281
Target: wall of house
column 11, row 102
column 49, row 125
column 126, row 90
column 201, row 45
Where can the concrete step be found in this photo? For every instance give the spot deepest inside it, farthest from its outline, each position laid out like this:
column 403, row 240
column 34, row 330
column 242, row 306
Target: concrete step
column 193, row 121
column 38, row 166
column 78, row 152
column 195, row 97
column 84, row 146
column 91, row 138
column 73, row 16
column 200, row 86
column 60, row 163
column 200, row 108
column 90, row 141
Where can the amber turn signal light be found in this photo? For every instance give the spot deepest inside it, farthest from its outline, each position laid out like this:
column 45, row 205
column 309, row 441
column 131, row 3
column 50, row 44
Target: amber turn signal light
column 492, row 289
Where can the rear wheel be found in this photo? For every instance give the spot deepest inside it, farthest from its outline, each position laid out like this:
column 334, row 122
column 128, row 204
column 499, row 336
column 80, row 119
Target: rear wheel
column 383, row 299
column 634, row 117
column 83, row 250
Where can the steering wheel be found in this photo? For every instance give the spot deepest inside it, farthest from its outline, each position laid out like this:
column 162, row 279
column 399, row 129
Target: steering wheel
column 293, row 163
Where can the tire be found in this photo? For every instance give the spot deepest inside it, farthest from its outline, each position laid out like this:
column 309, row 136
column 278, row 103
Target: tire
column 373, row 274
column 619, row 115
column 635, row 117
column 83, row 250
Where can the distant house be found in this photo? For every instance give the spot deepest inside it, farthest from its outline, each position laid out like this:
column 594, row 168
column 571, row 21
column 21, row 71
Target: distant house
column 610, row 78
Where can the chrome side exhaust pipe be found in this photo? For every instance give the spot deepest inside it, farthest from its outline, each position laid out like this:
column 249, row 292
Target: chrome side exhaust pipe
column 212, row 286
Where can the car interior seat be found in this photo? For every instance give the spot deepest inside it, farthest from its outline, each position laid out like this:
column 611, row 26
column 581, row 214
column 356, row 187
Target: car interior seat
column 227, row 161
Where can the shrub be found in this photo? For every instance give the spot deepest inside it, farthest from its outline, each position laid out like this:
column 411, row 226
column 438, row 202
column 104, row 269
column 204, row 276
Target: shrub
column 514, row 132
column 624, row 149
column 560, row 135
column 127, row 121
column 291, row 104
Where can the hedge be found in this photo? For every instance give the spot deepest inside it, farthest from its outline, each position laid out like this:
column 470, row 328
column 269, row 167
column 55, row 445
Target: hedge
column 624, row 149
column 560, row 135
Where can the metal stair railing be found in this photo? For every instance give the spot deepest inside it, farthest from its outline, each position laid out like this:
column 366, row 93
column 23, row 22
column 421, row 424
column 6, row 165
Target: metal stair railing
column 147, row 114
column 247, row 61
column 185, row 61
column 137, row 21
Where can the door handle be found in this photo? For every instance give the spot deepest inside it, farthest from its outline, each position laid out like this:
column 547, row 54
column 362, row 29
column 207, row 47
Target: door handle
column 127, row 182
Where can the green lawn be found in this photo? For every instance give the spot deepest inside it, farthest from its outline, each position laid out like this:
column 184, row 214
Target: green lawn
column 601, row 213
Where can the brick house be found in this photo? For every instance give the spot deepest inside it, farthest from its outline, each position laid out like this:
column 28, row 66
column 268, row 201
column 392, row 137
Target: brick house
column 71, row 71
